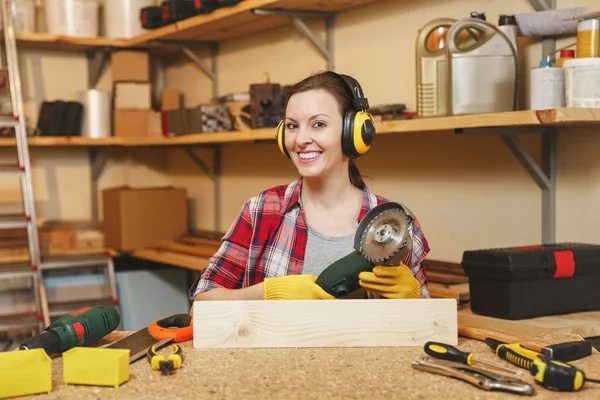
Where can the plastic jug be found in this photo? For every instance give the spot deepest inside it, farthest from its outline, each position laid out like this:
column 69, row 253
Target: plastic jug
column 431, row 67
column 482, row 74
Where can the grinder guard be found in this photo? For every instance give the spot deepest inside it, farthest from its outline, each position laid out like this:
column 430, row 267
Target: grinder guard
column 383, row 237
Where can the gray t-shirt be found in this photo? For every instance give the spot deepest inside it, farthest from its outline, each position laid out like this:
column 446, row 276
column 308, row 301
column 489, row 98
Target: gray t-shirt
column 323, row 250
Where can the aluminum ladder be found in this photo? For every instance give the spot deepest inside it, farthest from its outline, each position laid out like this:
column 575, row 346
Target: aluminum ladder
column 30, row 272
column 42, row 312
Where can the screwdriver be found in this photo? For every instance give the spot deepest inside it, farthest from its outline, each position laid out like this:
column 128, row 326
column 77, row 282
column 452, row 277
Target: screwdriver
column 549, row 373
column 450, row 353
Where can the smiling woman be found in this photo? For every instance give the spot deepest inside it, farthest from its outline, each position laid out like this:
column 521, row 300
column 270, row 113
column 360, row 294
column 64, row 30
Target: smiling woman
column 286, row 235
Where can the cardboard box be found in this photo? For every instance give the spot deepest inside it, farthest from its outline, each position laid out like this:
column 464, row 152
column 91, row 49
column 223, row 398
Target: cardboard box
column 142, row 217
column 131, row 123
column 130, row 66
column 132, row 96
column 171, row 99
column 155, row 124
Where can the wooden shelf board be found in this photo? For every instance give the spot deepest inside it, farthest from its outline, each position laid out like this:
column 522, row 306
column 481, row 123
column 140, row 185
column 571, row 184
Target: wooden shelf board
column 559, row 116
column 555, row 117
column 57, row 42
column 170, row 258
column 46, row 141
column 238, row 21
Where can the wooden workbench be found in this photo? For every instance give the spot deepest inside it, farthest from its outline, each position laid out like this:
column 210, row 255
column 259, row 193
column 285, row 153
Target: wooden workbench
column 309, row 373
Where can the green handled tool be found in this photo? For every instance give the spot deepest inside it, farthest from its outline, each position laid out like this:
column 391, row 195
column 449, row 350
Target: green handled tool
column 77, row 328
column 383, row 237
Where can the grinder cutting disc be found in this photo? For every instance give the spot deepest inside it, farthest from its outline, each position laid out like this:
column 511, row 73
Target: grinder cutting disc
column 383, row 235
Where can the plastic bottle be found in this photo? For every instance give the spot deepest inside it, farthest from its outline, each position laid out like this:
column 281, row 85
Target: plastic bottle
column 588, row 38
column 565, row 55
column 508, row 25
column 547, row 87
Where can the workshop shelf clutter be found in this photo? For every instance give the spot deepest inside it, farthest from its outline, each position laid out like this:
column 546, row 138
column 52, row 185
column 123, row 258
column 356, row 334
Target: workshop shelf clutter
column 528, row 281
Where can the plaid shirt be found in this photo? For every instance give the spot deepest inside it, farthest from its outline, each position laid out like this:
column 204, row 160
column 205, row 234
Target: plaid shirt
column 268, row 239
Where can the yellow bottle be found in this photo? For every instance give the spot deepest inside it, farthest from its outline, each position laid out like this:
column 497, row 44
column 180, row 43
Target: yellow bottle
column 588, row 38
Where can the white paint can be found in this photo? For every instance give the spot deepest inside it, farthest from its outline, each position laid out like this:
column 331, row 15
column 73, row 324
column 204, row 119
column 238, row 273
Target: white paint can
column 23, row 14
column 96, row 113
column 582, row 82
column 546, row 87
column 121, row 18
column 72, row 17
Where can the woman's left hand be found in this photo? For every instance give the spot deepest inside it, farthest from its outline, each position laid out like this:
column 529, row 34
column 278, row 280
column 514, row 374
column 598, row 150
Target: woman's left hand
column 391, row 282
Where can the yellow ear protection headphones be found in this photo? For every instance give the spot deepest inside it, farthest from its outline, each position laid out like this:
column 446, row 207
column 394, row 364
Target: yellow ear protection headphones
column 358, row 125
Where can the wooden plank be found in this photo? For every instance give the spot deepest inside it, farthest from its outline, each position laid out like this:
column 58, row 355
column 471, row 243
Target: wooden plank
column 43, row 41
column 558, row 116
column 336, row 323
column 561, row 116
column 47, row 141
column 585, row 324
column 444, row 278
column 197, row 250
column 459, row 291
column 443, row 267
column 174, row 259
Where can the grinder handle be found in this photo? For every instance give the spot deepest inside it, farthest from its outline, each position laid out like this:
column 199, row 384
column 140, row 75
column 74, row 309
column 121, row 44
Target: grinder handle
column 341, row 278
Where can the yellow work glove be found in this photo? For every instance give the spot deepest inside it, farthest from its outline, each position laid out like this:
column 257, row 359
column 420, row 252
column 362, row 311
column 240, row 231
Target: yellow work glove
column 294, row 287
column 391, row 282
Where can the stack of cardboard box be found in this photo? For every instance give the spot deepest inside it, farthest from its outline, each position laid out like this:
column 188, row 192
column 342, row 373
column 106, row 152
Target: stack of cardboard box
column 132, row 93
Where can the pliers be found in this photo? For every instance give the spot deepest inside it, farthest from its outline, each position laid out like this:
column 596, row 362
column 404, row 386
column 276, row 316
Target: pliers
column 166, row 365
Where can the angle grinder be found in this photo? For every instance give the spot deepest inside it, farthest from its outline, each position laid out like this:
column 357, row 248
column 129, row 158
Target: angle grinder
column 383, row 237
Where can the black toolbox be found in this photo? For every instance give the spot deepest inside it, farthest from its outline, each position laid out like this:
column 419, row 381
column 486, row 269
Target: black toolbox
column 533, row 281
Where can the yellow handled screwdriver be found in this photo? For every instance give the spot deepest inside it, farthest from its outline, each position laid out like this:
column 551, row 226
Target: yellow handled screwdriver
column 450, row 353
column 549, row 373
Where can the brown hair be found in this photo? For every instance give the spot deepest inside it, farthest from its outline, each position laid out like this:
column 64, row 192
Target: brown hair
column 338, row 89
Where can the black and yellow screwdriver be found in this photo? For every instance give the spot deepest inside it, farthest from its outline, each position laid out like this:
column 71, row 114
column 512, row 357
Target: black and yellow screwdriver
column 450, row 353
column 549, row 373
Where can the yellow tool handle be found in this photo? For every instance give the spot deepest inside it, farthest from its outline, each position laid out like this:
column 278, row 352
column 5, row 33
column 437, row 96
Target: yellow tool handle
column 447, row 352
column 557, row 375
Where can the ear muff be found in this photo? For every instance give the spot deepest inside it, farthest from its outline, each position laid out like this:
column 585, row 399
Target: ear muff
column 358, row 126
column 358, row 133
column 280, row 136
column 358, row 130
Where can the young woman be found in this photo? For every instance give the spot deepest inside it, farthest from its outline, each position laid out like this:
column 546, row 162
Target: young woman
column 286, row 235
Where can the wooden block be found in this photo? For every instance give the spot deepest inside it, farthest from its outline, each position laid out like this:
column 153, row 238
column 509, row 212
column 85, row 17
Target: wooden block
column 445, row 278
column 326, row 323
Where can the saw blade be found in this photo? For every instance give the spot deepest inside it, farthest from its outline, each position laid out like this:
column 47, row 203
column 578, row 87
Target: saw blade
column 384, row 235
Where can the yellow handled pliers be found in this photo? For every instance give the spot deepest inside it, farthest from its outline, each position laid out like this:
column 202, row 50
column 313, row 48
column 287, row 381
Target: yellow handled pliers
column 166, row 365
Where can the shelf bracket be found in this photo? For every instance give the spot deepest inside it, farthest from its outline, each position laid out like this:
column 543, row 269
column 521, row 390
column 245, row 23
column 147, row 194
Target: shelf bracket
column 544, row 175
column 185, row 46
column 214, row 174
column 98, row 159
column 548, row 42
column 326, row 49
column 97, row 59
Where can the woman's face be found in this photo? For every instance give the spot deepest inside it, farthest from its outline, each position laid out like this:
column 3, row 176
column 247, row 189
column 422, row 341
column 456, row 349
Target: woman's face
column 313, row 132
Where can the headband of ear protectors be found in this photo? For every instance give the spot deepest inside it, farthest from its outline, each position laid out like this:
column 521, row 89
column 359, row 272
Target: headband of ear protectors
column 358, row 129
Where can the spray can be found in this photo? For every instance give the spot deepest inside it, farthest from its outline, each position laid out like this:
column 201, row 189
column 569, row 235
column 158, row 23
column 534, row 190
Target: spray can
column 508, row 25
column 588, row 38
column 547, row 87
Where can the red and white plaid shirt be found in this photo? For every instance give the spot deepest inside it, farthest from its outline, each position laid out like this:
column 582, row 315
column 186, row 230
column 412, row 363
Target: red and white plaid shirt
column 268, row 239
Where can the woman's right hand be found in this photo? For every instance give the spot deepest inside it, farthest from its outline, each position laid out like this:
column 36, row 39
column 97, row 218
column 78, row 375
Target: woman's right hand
column 294, row 287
